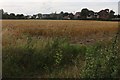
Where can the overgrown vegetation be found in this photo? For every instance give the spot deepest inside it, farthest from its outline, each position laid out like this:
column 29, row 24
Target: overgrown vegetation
column 60, row 50
column 27, row 60
column 100, row 60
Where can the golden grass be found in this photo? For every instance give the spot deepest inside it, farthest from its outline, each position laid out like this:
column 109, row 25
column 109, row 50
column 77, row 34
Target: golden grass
column 76, row 31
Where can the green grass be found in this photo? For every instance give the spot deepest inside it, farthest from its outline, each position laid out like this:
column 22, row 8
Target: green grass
column 57, row 57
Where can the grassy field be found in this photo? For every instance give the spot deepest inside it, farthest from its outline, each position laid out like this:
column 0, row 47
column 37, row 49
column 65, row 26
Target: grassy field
column 76, row 31
column 62, row 48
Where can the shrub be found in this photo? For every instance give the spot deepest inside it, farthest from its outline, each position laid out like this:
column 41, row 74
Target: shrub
column 26, row 60
column 102, row 61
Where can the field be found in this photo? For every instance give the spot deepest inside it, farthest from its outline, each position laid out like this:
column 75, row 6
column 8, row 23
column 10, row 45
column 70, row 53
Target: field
column 62, row 48
column 76, row 31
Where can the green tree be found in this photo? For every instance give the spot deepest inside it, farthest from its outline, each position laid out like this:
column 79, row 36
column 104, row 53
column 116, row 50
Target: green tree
column 20, row 16
column 61, row 14
column 5, row 15
column 84, row 13
column 12, row 16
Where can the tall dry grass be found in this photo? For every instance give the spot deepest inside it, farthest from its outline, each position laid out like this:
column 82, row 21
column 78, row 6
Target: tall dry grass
column 76, row 31
column 29, row 44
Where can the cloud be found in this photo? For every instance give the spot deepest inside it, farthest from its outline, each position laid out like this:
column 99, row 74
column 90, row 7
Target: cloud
column 49, row 6
column 59, row 1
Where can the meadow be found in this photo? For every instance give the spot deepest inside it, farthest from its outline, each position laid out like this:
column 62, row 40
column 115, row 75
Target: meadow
column 60, row 49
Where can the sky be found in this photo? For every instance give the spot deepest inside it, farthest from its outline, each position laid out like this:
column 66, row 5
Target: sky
column 29, row 7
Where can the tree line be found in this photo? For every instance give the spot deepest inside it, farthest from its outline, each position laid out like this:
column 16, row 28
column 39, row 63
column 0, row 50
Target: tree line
column 83, row 14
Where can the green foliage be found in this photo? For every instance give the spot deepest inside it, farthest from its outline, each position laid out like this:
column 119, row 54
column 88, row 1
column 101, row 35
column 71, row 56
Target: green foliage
column 58, row 57
column 102, row 61
column 26, row 60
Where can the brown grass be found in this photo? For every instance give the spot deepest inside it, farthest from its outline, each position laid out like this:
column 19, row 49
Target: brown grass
column 15, row 32
column 76, row 31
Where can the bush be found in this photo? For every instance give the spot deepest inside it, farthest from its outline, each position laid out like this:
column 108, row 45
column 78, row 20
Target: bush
column 30, row 60
column 27, row 60
column 102, row 61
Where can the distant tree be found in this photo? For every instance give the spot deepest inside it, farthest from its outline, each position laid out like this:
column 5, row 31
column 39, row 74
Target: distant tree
column 12, row 16
column 71, row 16
column 27, row 17
column 65, row 14
column 118, row 15
column 111, row 14
column 39, row 15
column 5, row 15
column 20, row 16
column 104, row 14
column 84, row 13
column 34, row 16
column 107, row 10
column 61, row 12
column 61, row 15
column 90, row 13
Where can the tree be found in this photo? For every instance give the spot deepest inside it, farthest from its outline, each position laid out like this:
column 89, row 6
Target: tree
column 118, row 16
column 27, row 17
column 34, row 16
column 5, row 15
column 71, row 16
column 65, row 14
column 91, row 13
column 12, row 16
column 111, row 14
column 20, row 16
column 39, row 15
column 61, row 14
column 84, row 13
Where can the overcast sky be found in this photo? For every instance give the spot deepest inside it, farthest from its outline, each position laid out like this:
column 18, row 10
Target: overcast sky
column 49, row 6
